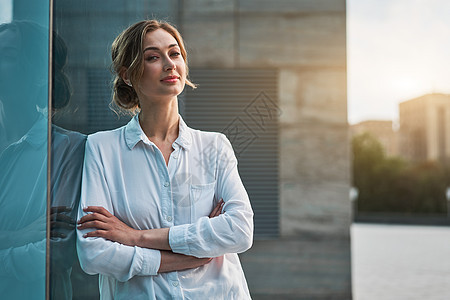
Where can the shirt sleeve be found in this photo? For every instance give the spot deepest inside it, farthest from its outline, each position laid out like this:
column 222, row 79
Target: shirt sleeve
column 232, row 231
column 98, row 255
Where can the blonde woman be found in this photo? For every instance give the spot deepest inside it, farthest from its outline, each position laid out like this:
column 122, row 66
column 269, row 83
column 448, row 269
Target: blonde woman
column 163, row 211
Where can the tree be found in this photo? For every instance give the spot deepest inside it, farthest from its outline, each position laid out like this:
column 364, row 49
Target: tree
column 390, row 184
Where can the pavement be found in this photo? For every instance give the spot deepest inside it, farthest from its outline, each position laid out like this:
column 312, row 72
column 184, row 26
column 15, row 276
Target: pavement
column 296, row 268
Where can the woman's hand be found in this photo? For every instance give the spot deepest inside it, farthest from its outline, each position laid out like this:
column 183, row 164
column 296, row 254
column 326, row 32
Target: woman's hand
column 107, row 226
column 111, row 228
column 60, row 222
column 217, row 210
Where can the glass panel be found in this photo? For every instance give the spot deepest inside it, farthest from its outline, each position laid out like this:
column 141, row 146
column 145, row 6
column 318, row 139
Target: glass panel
column 24, row 40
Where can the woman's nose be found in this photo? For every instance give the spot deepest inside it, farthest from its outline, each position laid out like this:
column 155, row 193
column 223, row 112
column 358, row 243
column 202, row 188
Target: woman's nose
column 170, row 65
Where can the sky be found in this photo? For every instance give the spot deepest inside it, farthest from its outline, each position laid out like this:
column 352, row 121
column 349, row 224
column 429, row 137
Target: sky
column 396, row 50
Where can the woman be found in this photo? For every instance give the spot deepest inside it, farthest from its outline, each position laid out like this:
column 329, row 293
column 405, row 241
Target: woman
column 151, row 223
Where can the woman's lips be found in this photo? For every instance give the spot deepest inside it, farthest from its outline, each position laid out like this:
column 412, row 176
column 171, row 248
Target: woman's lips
column 170, row 79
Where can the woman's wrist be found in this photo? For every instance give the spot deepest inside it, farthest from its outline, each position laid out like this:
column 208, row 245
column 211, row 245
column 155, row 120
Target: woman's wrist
column 177, row 262
column 153, row 238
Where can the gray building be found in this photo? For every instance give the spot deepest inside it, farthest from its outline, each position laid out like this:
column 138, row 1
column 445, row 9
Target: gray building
column 272, row 76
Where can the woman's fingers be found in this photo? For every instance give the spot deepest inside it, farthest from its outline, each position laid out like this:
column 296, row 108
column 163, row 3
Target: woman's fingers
column 97, row 209
column 92, row 217
column 96, row 233
column 94, row 220
column 93, row 224
column 217, row 210
column 107, row 226
column 98, row 213
column 206, row 260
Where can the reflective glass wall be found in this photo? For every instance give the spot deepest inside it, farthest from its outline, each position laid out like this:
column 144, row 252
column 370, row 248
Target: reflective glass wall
column 24, row 112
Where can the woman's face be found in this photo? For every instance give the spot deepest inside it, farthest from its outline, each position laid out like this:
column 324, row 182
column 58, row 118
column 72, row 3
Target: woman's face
column 164, row 67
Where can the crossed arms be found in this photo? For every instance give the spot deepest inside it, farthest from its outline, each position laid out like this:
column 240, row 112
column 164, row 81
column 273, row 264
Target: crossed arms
column 113, row 249
column 109, row 227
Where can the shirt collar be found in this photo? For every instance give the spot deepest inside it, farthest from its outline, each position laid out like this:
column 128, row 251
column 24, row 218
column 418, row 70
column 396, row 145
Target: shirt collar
column 134, row 134
column 184, row 139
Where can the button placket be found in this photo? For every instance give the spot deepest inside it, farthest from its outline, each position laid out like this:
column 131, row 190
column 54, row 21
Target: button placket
column 166, row 202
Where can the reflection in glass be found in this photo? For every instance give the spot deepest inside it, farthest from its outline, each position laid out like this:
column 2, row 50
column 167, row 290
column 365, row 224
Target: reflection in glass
column 23, row 159
column 67, row 148
column 67, row 158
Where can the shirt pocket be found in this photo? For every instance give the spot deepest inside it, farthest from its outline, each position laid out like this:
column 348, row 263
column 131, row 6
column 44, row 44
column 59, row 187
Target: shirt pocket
column 202, row 200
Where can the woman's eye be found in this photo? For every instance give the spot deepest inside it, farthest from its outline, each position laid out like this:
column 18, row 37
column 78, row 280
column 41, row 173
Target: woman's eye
column 176, row 54
column 153, row 57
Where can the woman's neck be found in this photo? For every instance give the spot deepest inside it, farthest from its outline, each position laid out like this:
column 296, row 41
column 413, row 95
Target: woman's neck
column 160, row 121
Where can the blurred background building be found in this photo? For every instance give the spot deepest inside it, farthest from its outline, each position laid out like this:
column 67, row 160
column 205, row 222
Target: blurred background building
column 423, row 133
column 382, row 130
column 425, row 128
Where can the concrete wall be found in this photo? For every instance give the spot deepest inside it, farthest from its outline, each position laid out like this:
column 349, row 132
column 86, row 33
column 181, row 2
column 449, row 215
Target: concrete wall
column 306, row 41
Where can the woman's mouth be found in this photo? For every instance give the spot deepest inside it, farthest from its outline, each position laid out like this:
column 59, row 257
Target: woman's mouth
column 170, row 79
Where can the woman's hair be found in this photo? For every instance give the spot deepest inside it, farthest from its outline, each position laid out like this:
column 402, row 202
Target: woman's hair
column 127, row 53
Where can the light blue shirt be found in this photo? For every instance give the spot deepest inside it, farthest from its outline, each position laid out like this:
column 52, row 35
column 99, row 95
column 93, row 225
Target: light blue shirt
column 126, row 173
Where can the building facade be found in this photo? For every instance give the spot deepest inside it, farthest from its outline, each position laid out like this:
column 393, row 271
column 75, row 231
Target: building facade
column 382, row 130
column 425, row 128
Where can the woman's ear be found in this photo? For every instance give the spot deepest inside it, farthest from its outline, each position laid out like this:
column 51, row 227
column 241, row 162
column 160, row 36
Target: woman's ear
column 124, row 76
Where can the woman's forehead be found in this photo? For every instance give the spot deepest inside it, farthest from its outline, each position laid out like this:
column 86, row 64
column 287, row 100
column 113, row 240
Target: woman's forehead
column 159, row 39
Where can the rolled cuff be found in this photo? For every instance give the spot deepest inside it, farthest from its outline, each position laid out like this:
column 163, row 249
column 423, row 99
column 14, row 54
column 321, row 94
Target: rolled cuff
column 178, row 239
column 150, row 261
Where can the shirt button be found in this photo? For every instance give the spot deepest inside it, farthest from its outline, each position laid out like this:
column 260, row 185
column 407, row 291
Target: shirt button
column 169, row 218
column 166, row 184
column 175, row 283
column 175, row 156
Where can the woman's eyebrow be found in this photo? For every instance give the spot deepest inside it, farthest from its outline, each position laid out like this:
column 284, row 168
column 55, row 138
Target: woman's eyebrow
column 157, row 49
